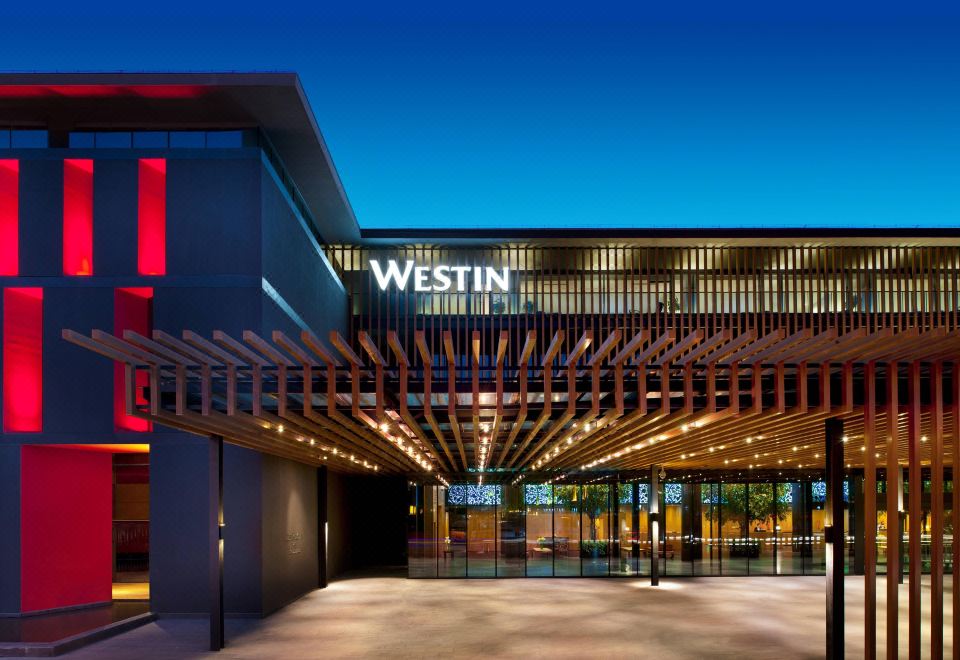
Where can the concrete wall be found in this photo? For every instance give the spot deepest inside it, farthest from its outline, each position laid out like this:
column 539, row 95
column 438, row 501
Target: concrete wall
column 243, row 516
column 10, row 524
column 179, row 478
column 290, row 531
column 295, row 267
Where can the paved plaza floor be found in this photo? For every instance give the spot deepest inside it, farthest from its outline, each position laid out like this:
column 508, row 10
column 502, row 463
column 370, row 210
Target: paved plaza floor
column 392, row 617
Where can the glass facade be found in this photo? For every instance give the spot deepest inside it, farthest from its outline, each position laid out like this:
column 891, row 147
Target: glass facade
column 602, row 529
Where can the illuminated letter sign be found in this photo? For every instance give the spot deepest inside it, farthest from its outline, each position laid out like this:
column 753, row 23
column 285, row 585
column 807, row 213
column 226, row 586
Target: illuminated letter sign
column 439, row 278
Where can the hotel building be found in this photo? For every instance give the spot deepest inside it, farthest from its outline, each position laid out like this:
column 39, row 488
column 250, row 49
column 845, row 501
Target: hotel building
column 219, row 392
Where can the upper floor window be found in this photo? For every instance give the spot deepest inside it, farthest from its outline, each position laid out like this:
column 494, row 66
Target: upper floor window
column 161, row 139
column 24, row 139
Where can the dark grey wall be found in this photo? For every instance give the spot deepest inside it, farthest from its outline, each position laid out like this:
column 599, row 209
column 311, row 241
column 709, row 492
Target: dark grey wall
column 290, row 531
column 179, row 479
column 77, row 384
column 293, row 264
column 213, row 216
column 41, row 217
column 10, row 528
column 115, row 184
column 243, row 517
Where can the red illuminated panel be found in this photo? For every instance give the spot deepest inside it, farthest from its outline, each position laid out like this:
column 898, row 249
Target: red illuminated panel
column 22, row 360
column 9, row 217
column 132, row 310
column 152, row 217
column 78, row 216
column 66, row 512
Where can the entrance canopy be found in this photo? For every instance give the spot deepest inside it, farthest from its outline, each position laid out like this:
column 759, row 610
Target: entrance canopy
column 741, row 402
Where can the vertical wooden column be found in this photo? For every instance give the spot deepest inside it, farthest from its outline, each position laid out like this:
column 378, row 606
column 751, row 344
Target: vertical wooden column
column 834, row 536
column 913, row 508
column 955, row 512
column 936, row 511
column 654, row 515
column 893, row 511
column 215, row 527
column 870, row 511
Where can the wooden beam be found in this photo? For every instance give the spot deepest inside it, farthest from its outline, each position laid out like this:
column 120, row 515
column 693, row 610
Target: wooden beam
column 314, row 344
column 914, row 510
column 343, row 346
column 893, row 550
column 870, row 511
column 936, row 513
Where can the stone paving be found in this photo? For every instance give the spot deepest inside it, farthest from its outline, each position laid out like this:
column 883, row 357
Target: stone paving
column 390, row 617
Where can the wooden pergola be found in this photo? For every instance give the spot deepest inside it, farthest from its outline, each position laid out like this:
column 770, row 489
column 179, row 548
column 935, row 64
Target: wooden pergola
column 579, row 406
column 694, row 402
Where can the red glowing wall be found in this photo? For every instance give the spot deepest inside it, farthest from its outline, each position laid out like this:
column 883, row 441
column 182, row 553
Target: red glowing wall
column 9, row 217
column 132, row 310
column 78, row 216
column 23, row 360
column 152, row 217
column 66, row 516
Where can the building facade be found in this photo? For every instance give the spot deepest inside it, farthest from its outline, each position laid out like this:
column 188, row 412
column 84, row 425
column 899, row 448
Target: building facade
column 180, row 267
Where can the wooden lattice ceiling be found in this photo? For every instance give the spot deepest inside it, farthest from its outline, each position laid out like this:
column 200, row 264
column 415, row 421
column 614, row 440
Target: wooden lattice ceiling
column 578, row 405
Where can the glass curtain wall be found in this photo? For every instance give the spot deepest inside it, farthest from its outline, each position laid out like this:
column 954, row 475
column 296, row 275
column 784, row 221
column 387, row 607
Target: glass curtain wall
column 709, row 562
column 732, row 516
column 627, row 553
column 482, row 502
column 600, row 529
column 539, row 522
column 566, row 530
column 595, row 521
column 511, row 533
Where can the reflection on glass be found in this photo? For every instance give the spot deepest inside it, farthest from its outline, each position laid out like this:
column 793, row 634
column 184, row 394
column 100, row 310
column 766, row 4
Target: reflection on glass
column 422, row 532
column 815, row 561
column 625, row 559
column 539, row 502
column 595, row 523
column 792, row 541
column 708, row 562
column 671, row 542
column 733, row 529
column 566, row 530
column 603, row 529
column 481, row 540
column 511, row 543
column 452, row 517
column 762, row 531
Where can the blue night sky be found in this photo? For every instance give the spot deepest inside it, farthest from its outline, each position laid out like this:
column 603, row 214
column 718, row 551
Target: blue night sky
column 595, row 114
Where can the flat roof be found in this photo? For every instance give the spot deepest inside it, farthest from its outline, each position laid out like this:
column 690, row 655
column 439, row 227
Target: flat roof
column 679, row 237
column 274, row 102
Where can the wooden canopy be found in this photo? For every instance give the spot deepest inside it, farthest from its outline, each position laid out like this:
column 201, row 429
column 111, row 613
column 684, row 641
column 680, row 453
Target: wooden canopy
column 580, row 404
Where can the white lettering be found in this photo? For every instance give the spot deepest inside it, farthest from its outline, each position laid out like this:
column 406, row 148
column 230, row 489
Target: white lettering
column 461, row 272
column 393, row 273
column 422, row 273
column 493, row 277
column 439, row 278
column 442, row 275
